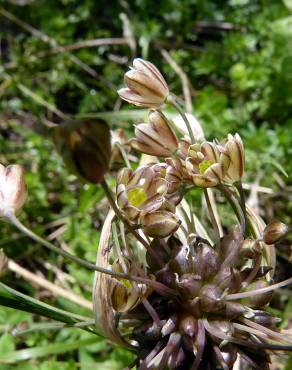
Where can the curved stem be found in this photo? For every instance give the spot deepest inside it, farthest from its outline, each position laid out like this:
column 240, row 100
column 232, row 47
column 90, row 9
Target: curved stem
column 171, row 100
column 250, row 293
column 235, row 204
column 124, row 154
column 212, row 215
column 161, row 288
column 239, row 187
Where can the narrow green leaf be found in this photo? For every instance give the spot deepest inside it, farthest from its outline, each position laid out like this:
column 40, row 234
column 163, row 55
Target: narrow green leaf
column 278, row 166
column 14, row 299
column 36, row 352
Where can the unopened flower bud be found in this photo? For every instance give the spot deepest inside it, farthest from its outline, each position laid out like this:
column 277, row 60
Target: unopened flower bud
column 274, row 232
column 166, row 277
column 156, row 137
column 193, row 306
column 190, row 285
column 12, row 189
column 234, row 310
column 181, row 262
column 146, row 86
column 265, row 318
column 85, row 147
column 258, row 300
column 235, row 150
column 160, row 224
column 207, row 261
column 211, row 298
column 188, row 325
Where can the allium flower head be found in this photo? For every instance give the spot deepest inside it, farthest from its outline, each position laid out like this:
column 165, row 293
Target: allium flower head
column 146, row 86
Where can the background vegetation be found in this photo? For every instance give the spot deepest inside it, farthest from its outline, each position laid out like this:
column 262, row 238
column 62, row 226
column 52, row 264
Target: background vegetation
column 62, row 57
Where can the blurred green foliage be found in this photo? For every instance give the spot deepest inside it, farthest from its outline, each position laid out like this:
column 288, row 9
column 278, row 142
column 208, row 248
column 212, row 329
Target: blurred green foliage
column 238, row 58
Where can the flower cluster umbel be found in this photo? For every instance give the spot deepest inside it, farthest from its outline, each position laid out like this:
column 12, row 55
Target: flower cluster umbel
column 208, row 309
column 148, row 197
column 183, row 292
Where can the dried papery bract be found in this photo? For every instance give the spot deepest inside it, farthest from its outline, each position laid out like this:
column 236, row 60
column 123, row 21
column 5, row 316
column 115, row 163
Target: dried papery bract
column 12, row 189
column 156, row 137
column 146, row 86
column 104, row 313
column 85, row 147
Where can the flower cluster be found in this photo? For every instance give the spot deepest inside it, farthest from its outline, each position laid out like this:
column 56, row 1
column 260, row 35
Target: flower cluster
column 202, row 164
column 203, row 302
column 183, row 292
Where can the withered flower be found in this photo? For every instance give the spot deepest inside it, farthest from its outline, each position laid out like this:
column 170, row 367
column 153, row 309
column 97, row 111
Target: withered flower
column 235, row 149
column 85, row 147
column 274, row 232
column 142, row 193
column 12, row 189
column 156, row 137
column 159, row 224
column 207, row 164
column 146, row 86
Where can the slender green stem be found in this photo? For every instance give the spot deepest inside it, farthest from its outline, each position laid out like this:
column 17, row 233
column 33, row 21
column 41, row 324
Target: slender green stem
column 124, row 154
column 250, row 293
column 119, row 215
column 212, row 214
column 172, row 101
column 239, row 187
column 235, row 204
column 90, row 266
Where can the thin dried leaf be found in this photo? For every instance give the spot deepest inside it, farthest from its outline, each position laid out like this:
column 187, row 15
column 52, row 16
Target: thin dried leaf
column 104, row 313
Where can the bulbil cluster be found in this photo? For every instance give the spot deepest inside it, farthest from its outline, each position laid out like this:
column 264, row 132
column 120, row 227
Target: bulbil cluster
column 199, row 326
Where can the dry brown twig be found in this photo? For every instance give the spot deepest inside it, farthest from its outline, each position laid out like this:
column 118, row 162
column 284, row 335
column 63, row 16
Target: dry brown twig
column 43, row 283
column 183, row 77
column 53, row 43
